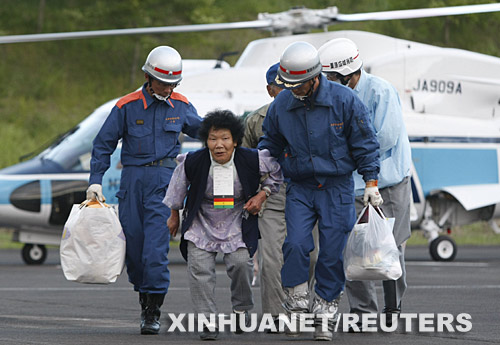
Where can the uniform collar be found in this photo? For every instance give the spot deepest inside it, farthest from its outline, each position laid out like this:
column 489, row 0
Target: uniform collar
column 320, row 96
column 147, row 96
column 361, row 82
column 150, row 100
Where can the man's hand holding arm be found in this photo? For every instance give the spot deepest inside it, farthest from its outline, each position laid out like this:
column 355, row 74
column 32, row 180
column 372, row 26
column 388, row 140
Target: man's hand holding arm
column 254, row 205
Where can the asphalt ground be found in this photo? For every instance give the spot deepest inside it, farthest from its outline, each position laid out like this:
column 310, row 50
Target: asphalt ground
column 38, row 306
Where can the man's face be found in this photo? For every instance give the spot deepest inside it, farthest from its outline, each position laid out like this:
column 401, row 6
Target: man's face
column 332, row 76
column 304, row 89
column 273, row 90
column 336, row 77
column 161, row 88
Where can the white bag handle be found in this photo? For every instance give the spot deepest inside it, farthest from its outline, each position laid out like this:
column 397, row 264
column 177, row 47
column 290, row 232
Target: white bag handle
column 379, row 211
column 86, row 202
column 361, row 214
column 375, row 208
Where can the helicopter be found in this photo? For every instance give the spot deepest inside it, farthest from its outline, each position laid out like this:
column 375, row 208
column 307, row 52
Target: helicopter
column 451, row 114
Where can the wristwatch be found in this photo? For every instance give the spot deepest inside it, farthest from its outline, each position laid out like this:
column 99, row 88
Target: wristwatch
column 267, row 190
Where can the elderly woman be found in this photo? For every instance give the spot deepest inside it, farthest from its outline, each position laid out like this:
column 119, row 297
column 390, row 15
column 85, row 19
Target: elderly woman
column 224, row 192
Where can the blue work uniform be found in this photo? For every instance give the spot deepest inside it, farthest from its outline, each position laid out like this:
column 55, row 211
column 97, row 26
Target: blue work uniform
column 324, row 139
column 149, row 130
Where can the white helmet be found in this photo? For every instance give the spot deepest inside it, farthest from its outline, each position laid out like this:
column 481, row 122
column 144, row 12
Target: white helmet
column 340, row 55
column 298, row 64
column 165, row 64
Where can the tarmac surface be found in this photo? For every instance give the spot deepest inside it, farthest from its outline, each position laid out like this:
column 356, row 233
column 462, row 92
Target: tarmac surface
column 39, row 306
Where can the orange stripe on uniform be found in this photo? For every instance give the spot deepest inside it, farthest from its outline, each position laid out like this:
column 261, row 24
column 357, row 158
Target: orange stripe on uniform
column 179, row 97
column 131, row 97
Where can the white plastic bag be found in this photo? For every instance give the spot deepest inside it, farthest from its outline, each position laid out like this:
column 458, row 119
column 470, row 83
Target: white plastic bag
column 92, row 245
column 371, row 252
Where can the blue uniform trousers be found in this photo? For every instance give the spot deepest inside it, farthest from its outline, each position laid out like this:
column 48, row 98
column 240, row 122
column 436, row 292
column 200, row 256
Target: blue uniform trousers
column 332, row 206
column 144, row 220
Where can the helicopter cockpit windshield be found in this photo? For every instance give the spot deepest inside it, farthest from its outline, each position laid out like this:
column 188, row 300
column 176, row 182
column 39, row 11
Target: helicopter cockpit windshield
column 73, row 150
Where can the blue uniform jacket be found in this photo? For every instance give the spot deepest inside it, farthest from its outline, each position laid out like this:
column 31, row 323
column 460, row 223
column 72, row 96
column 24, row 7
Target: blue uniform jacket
column 329, row 136
column 149, row 128
column 386, row 113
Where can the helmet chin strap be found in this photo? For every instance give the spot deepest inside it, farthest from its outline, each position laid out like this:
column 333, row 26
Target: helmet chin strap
column 308, row 93
column 300, row 98
column 157, row 96
column 311, row 89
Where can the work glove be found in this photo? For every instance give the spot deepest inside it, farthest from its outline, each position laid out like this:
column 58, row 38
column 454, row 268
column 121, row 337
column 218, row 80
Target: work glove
column 372, row 194
column 94, row 192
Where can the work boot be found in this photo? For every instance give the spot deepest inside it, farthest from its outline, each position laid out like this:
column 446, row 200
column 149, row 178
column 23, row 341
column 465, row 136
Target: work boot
column 391, row 304
column 359, row 329
column 143, row 298
column 152, row 313
column 296, row 302
column 329, row 312
column 239, row 316
column 389, row 314
column 276, row 322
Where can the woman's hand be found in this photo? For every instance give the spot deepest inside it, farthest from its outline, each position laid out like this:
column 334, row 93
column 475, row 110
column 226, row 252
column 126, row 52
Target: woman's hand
column 254, row 205
column 173, row 222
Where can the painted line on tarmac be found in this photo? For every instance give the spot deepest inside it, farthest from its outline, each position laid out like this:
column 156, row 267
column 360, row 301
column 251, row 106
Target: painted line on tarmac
column 82, row 289
column 456, row 287
column 100, row 322
column 440, row 263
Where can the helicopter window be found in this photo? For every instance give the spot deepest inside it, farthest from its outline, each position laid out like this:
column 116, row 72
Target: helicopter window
column 72, row 150
column 64, row 195
column 27, row 197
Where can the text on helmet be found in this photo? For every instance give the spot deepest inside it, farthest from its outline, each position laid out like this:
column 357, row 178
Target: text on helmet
column 345, row 62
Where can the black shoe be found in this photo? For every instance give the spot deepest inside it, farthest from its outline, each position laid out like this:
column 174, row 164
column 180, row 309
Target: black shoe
column 246, row 320
column 276, row 325
column 359, row 330
column 389, row 312
column 143, row 300
column 209, row 335
column 151, row 323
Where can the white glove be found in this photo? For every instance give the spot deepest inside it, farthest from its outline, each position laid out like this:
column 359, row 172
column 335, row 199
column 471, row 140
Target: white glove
column 372, row 194
column 95, row 192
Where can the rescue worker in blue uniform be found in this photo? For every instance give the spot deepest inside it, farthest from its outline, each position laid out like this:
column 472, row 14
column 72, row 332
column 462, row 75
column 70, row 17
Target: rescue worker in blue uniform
column 325, row 133
column 149, row 122
column 384, row 105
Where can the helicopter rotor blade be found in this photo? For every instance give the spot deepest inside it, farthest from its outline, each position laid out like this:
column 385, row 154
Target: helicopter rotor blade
column 418, row 13
column 294, row 21
column 255, row 24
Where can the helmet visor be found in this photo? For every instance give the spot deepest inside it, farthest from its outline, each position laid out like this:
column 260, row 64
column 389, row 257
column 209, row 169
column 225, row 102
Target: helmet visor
column 287, row 85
